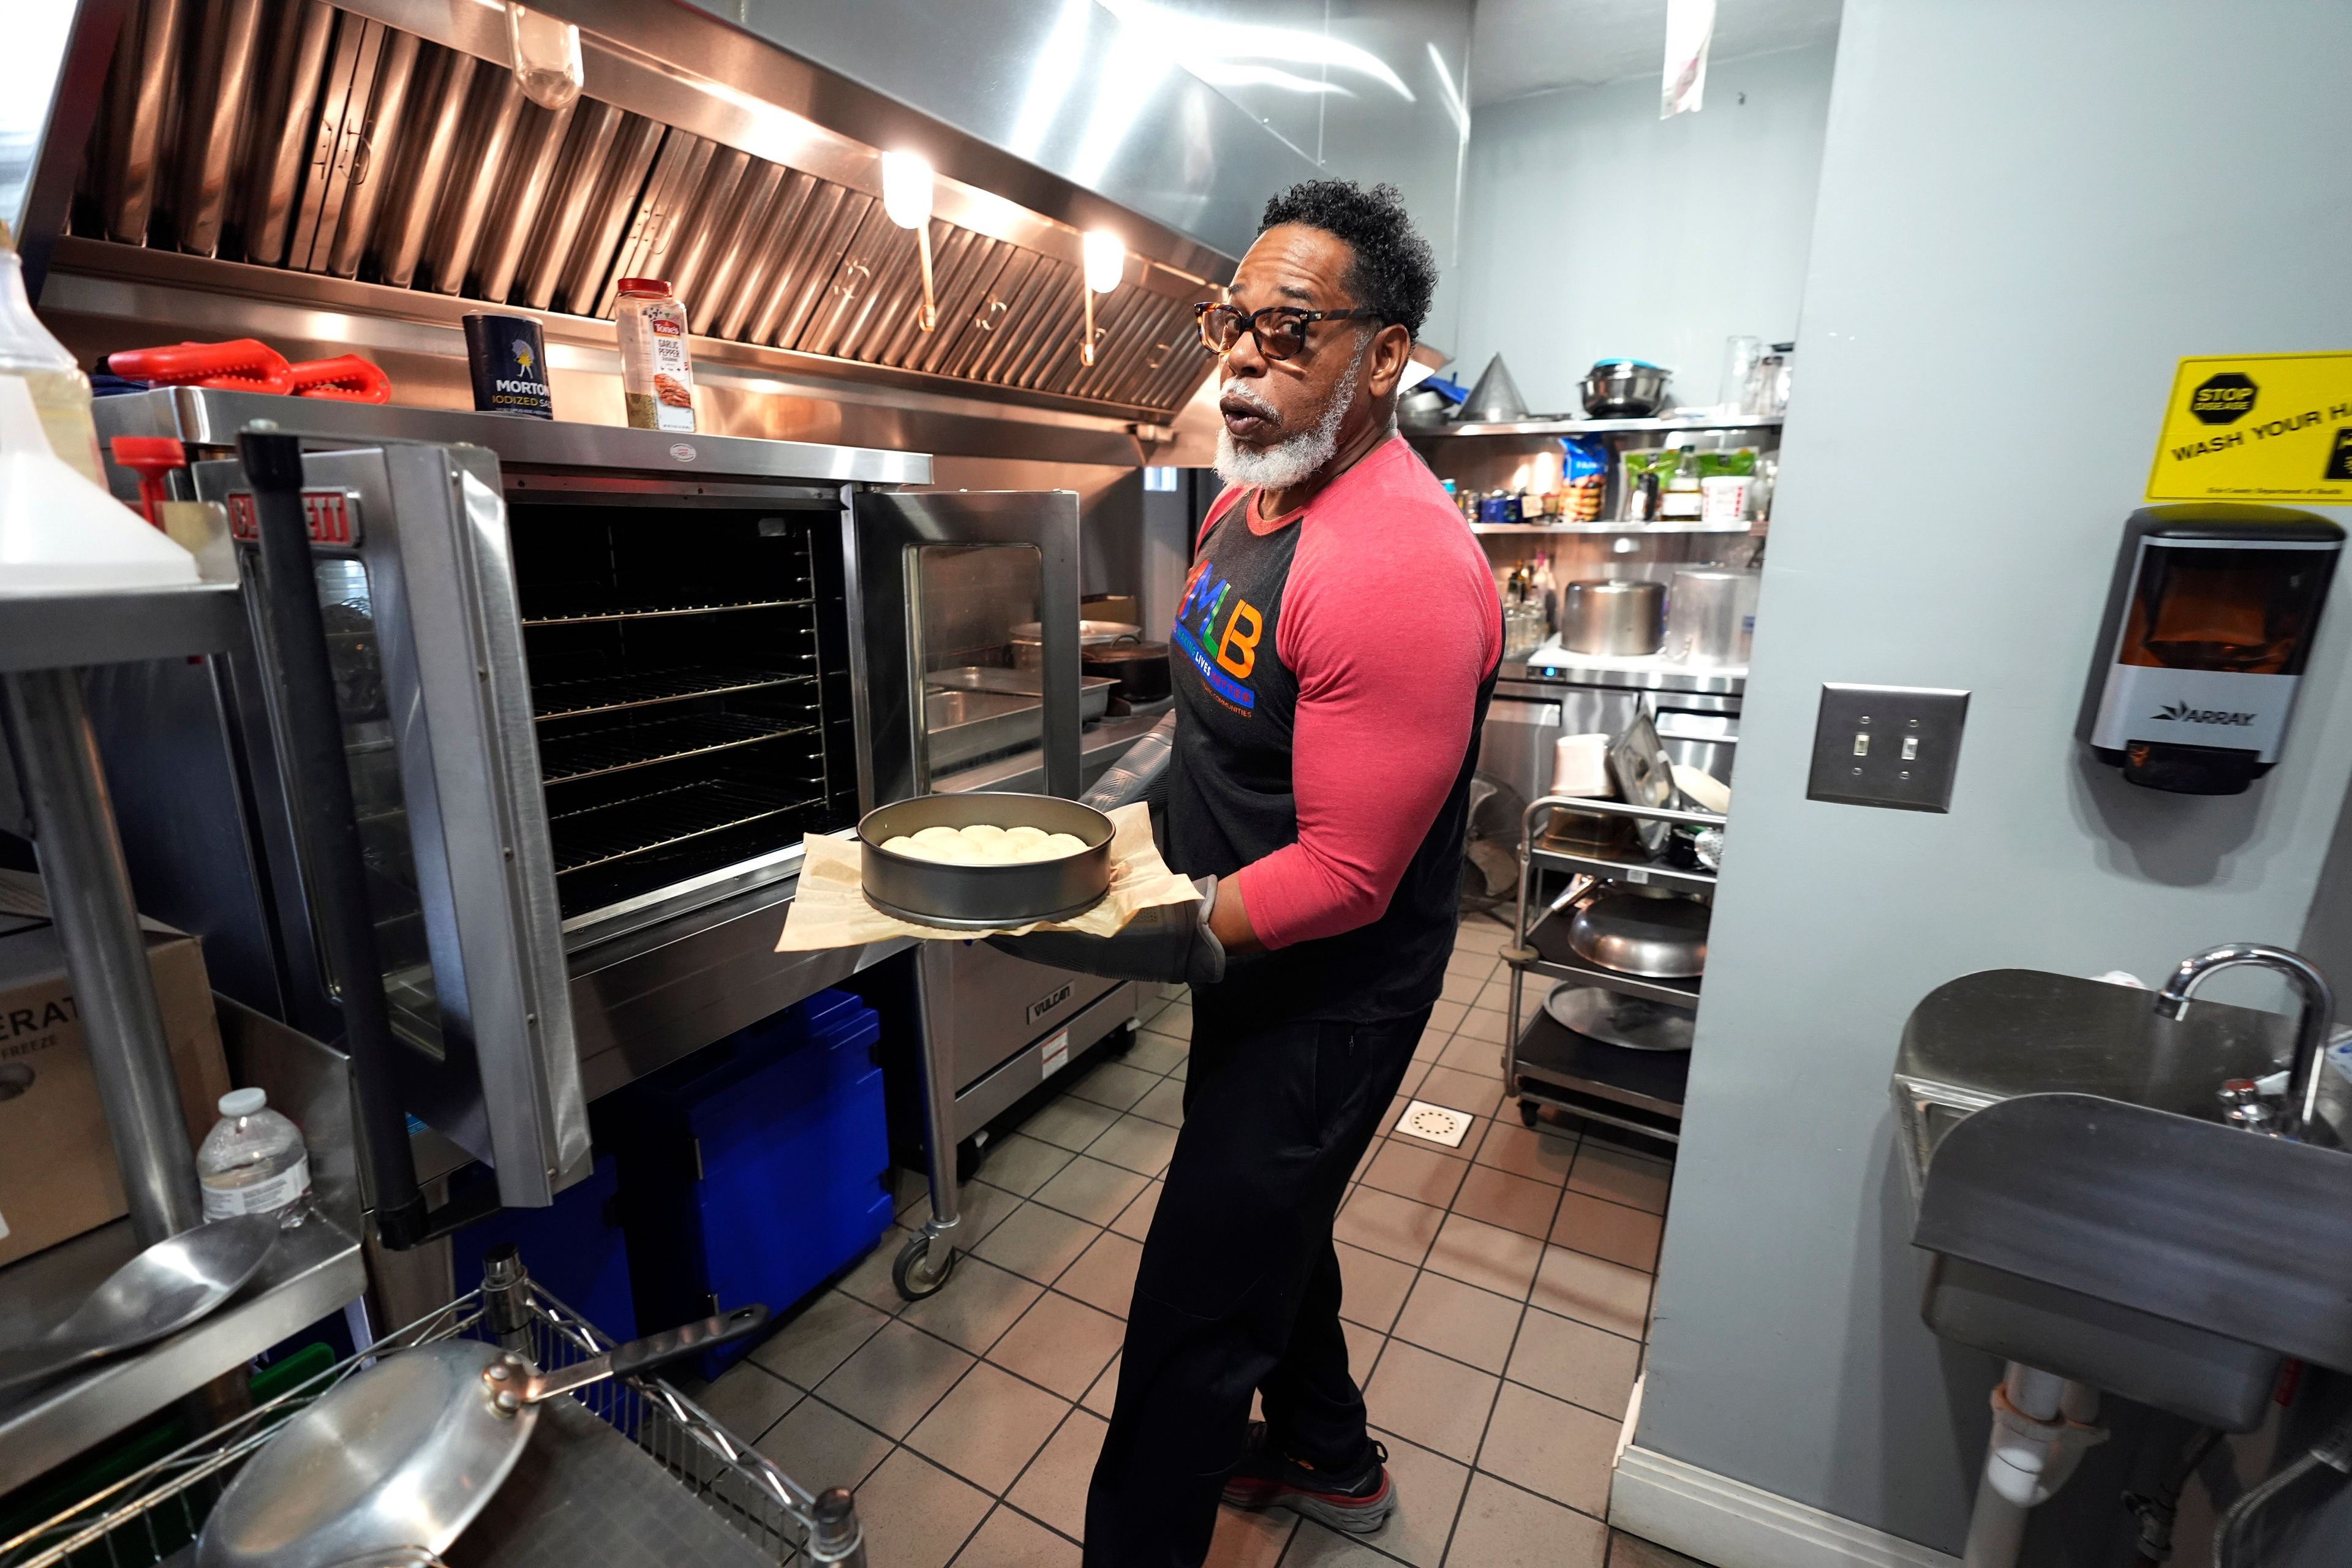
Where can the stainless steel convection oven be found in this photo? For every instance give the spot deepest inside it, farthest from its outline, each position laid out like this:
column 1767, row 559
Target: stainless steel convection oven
column 594, row 686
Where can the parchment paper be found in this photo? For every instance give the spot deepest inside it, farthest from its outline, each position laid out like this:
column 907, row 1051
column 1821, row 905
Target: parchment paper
column 830, row 910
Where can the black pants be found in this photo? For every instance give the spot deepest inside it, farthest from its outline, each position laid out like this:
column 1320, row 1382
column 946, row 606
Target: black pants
column 1239, row 1286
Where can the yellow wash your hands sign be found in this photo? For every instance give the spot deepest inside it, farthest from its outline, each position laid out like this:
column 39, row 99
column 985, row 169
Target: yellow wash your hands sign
column 2257, row 427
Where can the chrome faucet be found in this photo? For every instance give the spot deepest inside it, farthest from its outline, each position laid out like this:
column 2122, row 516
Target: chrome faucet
column 2311, row 1026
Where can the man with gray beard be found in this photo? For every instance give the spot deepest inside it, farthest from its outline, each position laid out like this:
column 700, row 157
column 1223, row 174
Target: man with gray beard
column 1334, row 650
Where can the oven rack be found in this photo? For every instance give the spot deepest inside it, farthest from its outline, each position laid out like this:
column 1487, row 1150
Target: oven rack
column 638, row 825
column 565, row 758
column 590, row 615
column 639, row 688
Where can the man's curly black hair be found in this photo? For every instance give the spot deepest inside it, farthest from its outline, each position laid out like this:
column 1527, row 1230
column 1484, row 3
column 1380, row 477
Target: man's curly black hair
column 1394, row 271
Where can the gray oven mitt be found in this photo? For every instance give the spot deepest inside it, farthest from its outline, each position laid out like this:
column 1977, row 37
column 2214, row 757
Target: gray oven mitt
column 1168, row 943
column 1140, row 773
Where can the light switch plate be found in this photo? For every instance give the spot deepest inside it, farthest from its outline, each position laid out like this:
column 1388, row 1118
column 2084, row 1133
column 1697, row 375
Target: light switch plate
column 1895, row 746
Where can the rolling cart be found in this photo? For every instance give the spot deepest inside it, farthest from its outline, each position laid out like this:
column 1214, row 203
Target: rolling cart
column 1544, row 1062
column 153, row 1516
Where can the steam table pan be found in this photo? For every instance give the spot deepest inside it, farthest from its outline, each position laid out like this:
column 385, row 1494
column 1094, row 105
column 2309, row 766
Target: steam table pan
column 985, row 897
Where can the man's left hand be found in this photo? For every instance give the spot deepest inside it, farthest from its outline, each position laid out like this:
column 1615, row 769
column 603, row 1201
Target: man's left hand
column 1168, row 943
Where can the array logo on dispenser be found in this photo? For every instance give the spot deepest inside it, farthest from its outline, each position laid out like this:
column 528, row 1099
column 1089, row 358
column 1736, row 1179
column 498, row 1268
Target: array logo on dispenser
column 2257, row 427
column 2181, row 712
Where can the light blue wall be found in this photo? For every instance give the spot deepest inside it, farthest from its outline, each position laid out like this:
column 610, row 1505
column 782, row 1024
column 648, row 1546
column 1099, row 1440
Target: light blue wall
column 2026, row 212
column 1591, row 227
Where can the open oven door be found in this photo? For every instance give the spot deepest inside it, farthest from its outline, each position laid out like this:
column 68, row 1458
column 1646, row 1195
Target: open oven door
column 938, row 574
column 411, row 557
column 901, row 546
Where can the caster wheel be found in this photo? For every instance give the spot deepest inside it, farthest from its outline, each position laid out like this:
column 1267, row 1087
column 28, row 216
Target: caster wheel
column 1120, row 1041
column 922, row 1268
column 1529, row 1112
column 967, row 1160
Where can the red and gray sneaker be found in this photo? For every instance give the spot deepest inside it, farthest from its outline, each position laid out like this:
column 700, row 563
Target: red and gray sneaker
column 1358, row 1502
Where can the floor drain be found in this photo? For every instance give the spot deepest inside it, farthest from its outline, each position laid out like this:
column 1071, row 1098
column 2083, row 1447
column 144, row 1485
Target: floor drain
column 1434, row 1123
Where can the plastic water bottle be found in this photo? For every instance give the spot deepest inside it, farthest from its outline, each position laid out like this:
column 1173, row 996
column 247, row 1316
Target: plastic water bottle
column 253, row 1160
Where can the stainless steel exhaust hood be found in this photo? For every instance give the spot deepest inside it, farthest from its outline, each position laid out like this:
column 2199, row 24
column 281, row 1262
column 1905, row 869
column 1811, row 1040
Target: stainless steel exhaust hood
column 381, row 156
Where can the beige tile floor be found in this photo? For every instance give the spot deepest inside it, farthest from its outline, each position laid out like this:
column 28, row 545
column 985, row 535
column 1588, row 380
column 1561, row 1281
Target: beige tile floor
column 1496, row 1303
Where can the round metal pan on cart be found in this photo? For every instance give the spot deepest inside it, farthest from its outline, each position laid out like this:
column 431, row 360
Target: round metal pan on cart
column 985, row 897
column 1634, row 1023
column 395, row 1463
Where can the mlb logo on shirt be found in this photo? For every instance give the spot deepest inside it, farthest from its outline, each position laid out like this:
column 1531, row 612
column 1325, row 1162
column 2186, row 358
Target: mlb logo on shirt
column 1219, row 631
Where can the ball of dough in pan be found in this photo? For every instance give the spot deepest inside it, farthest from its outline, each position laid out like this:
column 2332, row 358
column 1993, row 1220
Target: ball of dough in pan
column 940, row 835
column 982, row 833
column 902, row 845
column 1058, row 845
column 1027, row 834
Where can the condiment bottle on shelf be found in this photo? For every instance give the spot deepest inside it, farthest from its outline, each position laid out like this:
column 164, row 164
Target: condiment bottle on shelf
column 60, row 390
column 1683, row 498
column 657, row 372
column 1546, row 589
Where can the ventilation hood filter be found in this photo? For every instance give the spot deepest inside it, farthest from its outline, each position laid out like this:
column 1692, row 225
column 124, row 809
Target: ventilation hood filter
column 331, row 145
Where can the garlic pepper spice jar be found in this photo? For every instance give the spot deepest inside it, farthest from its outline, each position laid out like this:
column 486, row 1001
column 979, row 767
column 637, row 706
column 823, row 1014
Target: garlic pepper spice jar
column 657, row 372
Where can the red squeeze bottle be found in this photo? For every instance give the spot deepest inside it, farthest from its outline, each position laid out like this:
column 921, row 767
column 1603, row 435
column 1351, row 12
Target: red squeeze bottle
column 152, row 457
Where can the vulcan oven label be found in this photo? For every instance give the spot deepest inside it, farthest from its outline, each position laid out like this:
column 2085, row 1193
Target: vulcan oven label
column 2194, row 707
column 1051, row 1000
column 2257, row 427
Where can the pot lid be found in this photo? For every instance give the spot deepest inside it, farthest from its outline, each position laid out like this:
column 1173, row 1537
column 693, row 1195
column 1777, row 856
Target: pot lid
column 1600, row 364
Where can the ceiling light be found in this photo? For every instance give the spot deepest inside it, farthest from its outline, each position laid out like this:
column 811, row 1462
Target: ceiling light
column 1106, row 262
column 546, row 56
column 907, row 185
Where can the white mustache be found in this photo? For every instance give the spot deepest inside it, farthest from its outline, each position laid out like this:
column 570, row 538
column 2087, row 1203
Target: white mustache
column 1256, row 403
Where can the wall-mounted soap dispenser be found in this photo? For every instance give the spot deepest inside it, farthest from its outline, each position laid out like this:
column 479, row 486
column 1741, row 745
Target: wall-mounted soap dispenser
column 2210, row 621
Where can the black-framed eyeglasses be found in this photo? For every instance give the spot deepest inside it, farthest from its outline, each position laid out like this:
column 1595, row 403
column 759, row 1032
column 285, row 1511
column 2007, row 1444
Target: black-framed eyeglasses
column 1280, row 330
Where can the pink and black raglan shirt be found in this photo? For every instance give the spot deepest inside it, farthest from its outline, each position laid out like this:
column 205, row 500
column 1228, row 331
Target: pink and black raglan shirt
column 1332, row 668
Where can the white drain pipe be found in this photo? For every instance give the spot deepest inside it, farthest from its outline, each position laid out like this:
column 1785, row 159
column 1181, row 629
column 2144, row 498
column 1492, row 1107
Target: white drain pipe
column 2040, row 1424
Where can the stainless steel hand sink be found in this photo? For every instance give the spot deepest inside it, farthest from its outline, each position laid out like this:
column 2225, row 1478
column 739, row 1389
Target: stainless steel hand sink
column 2087, row 1209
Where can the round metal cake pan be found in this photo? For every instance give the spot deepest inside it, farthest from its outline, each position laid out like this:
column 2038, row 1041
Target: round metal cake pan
column 985, row 897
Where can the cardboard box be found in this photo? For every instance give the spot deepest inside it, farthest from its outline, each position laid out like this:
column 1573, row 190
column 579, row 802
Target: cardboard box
column 58, row 1173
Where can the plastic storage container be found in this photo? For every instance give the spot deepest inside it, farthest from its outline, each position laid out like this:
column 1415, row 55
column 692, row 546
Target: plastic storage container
column 575, row 1248
column 59, row 534
column 253, row 1160
column 60, row 390
column 657, row 372
column 754, row 1170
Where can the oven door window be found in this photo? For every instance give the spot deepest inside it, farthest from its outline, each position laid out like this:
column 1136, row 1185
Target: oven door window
column 395, row 903
column 976, row 613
